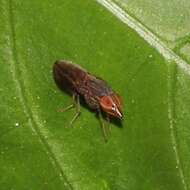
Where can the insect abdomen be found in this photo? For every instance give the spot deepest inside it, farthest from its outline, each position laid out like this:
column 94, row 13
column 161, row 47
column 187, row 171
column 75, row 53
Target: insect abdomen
column 68, row 76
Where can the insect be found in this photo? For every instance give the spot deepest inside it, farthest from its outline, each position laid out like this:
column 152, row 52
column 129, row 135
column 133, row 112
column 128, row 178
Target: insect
column 97, row 94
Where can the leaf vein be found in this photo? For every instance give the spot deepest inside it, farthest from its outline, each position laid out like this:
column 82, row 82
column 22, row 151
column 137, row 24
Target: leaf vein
column 171, row 116
column 146, row 34
column 17, row 78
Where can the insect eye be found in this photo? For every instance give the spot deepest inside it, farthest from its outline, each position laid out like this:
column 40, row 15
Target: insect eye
column 113, row 107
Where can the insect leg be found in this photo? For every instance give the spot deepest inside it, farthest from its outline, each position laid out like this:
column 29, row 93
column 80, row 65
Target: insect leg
column 77, row 105
column 68, row 107
column 108, row 121
column 102, row 125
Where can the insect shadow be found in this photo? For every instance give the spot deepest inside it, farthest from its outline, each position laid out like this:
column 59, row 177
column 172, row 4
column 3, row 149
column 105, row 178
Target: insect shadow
column 115, row 121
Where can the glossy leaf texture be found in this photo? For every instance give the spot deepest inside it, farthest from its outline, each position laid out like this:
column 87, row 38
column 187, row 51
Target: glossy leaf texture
column 39, row 151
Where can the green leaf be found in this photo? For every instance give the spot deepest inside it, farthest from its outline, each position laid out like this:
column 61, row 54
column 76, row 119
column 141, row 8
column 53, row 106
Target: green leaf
column 39, row 151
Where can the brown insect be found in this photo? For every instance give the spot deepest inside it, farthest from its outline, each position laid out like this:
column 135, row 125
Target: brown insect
column 97, row 94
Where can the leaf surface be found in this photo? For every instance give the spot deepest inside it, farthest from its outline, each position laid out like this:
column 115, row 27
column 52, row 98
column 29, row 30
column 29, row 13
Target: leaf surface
column 39, row 151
